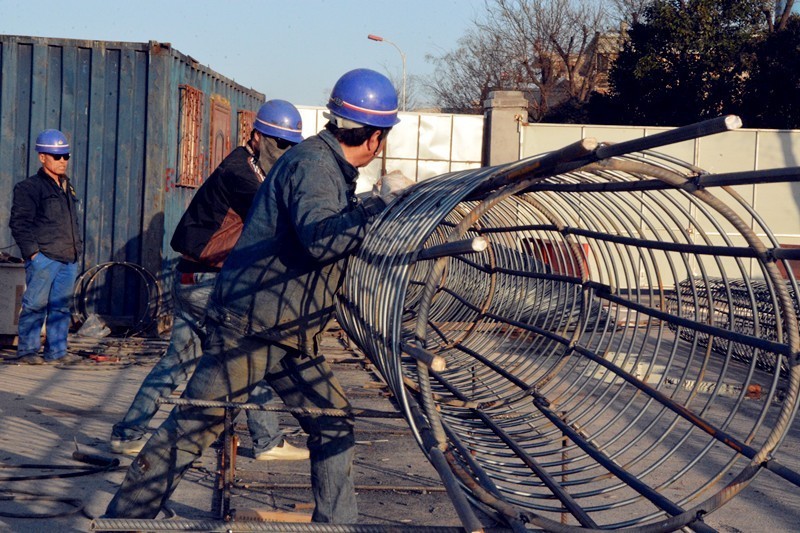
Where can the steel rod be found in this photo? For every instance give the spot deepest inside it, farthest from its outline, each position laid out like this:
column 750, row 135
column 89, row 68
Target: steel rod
column 219, row 526
column 469, row 246
column 362, row 413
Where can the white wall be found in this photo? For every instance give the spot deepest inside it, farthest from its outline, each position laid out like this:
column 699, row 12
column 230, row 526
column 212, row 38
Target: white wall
column 742, row 150
column 733, row 151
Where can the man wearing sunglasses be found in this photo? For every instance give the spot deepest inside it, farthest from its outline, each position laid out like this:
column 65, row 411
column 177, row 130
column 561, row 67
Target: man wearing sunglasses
column 205, row 235
column 44, row 223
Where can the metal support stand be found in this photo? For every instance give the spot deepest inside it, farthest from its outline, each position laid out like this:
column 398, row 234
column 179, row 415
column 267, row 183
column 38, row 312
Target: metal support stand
column 226, row 468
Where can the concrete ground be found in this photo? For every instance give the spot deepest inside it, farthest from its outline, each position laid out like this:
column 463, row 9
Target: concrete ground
column 49, row 410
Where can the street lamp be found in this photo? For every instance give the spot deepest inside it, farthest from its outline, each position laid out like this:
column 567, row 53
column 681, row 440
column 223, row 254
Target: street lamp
column 380, row 39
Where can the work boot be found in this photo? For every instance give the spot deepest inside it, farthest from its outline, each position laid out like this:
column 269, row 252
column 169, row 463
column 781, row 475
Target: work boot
column 31, row 359
column 127, row 446
column 68, row 359
column 284, row 452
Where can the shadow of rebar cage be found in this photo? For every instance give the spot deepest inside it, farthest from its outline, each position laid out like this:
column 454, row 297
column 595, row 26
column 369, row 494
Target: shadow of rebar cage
column 598, row 337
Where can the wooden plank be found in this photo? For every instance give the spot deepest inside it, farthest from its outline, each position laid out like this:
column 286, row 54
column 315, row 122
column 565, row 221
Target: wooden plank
column 264, row 515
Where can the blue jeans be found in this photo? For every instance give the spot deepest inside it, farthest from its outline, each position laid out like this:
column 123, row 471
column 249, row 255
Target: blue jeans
column 49, row 285
column 179, row 362
column 230, row 367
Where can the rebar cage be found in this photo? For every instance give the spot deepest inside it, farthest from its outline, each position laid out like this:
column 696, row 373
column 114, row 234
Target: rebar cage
column 594, row 338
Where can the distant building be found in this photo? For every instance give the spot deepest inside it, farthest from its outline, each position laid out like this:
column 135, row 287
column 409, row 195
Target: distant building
column 604, row 50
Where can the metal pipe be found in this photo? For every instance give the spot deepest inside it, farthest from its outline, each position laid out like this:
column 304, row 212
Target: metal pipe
column 433, row 361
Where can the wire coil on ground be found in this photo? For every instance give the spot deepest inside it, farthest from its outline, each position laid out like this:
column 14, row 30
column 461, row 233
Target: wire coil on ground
column 588, row 383
column 89, row 282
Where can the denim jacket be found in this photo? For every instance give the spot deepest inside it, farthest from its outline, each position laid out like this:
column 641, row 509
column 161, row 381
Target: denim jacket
column 280, row 280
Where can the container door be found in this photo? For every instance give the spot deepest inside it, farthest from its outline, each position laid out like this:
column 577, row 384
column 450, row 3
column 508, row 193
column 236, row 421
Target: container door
column 220, row 131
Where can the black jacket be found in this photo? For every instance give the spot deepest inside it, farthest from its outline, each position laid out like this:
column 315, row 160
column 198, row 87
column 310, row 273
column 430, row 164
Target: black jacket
column 44, row 219
column 213, row 221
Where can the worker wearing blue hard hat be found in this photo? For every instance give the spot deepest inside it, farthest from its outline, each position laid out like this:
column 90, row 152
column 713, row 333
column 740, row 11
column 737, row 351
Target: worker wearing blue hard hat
column 44, row 223
column 275, row 294
column 205, row 235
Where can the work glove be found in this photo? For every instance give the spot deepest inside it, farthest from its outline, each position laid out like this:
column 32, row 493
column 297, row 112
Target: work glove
column 391, row 185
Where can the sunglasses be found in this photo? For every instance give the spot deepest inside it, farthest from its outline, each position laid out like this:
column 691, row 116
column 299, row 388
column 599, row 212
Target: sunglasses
column 59, row 157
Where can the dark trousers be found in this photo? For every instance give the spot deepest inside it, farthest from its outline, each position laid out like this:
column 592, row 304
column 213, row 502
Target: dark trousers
column 230, row 367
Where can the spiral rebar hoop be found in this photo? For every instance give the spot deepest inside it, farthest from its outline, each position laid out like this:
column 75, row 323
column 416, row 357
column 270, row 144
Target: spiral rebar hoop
column 623, row 353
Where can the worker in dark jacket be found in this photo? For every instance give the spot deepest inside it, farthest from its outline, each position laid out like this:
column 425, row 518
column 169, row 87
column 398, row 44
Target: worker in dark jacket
column 274, row 294
column 44, row 223
column 205, row 235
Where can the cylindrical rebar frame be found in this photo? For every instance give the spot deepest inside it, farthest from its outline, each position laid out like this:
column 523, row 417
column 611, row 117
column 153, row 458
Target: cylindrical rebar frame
column 621, row 355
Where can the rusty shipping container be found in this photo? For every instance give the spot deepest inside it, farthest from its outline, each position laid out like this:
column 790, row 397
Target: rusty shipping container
column 146, row 124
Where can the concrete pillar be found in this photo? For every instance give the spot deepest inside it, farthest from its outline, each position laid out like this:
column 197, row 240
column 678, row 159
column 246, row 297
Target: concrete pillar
column 502, row 112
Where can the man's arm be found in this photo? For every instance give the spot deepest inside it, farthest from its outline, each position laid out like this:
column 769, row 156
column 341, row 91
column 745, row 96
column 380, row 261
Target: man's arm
column 327, row 229
column 22, row 220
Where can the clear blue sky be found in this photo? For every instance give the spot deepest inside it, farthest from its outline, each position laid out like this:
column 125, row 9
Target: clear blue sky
column 292, row 49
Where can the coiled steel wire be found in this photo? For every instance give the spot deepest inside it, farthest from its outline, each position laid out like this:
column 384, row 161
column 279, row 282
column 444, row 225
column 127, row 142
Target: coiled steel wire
column 587, row 384
column 94, row 288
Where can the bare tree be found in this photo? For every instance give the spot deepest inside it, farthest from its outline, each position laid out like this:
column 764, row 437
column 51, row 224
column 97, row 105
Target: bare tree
column 629, row 11
column 545, row 48
column 464, row 76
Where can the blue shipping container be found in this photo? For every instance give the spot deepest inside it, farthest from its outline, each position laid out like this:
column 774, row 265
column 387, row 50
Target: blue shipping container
column 146, row 124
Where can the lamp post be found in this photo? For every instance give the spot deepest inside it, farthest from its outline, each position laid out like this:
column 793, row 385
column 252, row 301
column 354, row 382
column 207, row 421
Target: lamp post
column 380, row 39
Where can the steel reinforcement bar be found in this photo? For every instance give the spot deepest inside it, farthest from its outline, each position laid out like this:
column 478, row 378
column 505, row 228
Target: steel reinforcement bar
column 596, row 338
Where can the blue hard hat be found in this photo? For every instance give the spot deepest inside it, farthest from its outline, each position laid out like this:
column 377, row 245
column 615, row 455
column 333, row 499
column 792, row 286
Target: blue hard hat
column 52, row 142
column 279, row 118
column 366, row 97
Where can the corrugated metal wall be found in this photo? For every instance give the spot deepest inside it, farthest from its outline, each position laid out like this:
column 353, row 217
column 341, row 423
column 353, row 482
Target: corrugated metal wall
column 118, row 104
column 96, row 93
column 181, row 70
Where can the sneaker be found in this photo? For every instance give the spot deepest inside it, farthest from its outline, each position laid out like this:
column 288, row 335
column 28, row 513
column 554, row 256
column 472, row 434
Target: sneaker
column 284, row 452
column 31, row 359
column 68, row 359
column 127, row 446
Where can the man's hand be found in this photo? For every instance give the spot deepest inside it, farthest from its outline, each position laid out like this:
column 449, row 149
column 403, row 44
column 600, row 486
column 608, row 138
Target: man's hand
column 391, row 185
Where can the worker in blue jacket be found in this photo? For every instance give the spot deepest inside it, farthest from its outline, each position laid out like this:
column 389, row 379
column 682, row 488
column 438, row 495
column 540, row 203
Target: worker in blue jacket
column 44, row 224
column 272, row 299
